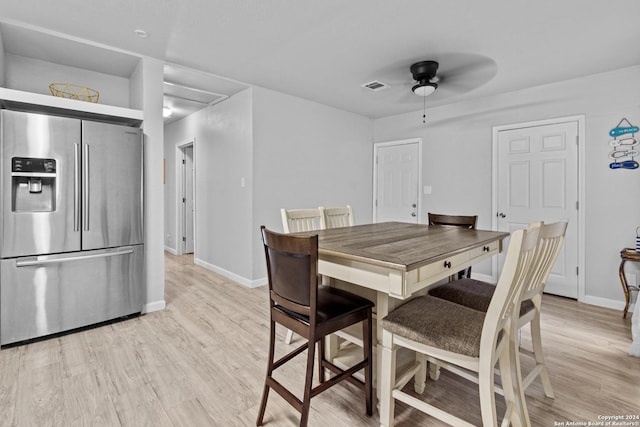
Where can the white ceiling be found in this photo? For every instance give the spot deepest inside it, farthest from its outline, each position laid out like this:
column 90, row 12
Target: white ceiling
column 325, row 50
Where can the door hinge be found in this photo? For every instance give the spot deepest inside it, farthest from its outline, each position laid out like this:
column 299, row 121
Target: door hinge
column 577, row 270
column 183, row 162
column 184, row 239
column 577, row 140
column 577, row 205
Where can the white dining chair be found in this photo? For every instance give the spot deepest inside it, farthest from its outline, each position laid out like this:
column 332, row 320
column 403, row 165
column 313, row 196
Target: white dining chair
column 455, row 336
column 477, row 295
column 294, row 220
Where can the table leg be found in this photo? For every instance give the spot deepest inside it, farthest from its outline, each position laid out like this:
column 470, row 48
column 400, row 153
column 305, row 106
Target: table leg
column 382, row 309
column 420, row 379
column 625, row 287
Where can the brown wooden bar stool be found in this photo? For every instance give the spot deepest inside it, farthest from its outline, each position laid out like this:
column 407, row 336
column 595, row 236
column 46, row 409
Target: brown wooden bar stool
column 298, row 303
column 461, row 221
column 627, row 254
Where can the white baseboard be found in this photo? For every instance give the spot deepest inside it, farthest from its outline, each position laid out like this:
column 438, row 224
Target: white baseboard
column 604, row 302
column 171, row 250
column 591, row 300
column 154, row 306
column 232, row 276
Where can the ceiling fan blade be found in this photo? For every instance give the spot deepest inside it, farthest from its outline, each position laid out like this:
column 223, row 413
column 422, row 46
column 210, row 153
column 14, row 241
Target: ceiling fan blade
column 463, row 73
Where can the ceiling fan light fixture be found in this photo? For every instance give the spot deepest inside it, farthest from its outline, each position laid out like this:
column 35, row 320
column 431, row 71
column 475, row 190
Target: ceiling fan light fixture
column 424, row 88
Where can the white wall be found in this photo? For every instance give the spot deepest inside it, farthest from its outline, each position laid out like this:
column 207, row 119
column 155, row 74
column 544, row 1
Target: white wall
column 457, row 161
column 146, row 94
column 306, row 155
column 290, row 152
column 223, row 153
column 2, row 62
column 223, row 207
column 34, row 75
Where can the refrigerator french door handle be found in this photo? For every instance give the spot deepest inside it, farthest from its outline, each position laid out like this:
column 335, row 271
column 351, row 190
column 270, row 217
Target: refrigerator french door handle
column 56, row 259
column 76, row 189
column 85, row 187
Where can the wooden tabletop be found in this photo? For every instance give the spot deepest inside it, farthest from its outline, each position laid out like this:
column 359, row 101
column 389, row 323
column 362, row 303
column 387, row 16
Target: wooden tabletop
column 398, row 245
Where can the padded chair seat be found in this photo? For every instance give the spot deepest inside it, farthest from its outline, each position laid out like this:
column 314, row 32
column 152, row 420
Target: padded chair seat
column 332, row 304
column 474, row 294
column 428, row 320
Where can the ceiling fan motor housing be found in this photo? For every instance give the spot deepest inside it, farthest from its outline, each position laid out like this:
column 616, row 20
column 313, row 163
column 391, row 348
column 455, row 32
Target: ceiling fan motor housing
column 424, row 71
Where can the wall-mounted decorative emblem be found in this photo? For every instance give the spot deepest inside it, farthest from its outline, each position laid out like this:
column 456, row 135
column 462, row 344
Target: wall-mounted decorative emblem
column 624, row 145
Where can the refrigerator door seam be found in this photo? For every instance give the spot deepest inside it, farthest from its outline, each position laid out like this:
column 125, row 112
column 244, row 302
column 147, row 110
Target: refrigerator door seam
column 56, row 259
column 85, row 186
column 76, row 189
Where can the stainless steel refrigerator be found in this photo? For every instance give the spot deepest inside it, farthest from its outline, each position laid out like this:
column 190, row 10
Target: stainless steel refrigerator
column 71, row 236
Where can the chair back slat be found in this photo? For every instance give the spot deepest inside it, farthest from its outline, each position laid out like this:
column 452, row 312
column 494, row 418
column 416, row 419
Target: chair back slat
column 337, row 217
column 295, row 220
column 551, row 240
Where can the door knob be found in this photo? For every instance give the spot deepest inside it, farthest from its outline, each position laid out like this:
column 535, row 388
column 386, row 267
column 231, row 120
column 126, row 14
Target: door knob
column 502, row 215
column 413, row 214
column 414, row 205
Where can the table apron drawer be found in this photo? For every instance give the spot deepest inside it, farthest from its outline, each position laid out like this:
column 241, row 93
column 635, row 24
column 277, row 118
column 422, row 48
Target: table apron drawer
column 479, row 253
column 447, row 266
column 451, row 265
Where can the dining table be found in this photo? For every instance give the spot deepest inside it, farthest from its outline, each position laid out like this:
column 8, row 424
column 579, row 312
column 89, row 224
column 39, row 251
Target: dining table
column 391, row 262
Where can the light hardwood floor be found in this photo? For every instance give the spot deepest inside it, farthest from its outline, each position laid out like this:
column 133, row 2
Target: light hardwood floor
column 201, row 362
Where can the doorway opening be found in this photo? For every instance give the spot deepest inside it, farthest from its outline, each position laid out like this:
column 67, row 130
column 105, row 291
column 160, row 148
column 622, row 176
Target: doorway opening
column 185, row 197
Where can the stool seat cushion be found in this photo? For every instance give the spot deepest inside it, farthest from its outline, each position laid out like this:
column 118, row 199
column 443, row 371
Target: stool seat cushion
column 474, row 294
column 332, row 304
column 438, row 323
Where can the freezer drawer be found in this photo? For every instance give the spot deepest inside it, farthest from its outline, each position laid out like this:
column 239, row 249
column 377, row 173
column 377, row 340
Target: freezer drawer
column 54, row 293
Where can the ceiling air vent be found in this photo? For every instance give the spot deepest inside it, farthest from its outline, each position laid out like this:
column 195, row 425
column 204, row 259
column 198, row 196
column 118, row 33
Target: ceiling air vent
column 375, row 85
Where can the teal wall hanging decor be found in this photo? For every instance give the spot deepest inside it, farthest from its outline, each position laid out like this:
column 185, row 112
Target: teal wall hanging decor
column 624, row 145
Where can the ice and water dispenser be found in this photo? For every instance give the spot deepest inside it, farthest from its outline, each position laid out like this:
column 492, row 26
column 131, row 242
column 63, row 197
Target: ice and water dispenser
column 33, row 186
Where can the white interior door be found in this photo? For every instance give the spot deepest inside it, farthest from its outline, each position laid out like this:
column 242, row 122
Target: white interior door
column 537, row 179
column 188, row 199
column 397, row 176
column 185, row 197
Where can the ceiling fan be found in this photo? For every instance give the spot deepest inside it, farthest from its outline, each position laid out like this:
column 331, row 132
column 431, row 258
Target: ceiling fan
column 448, row 75
column 445, row 74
